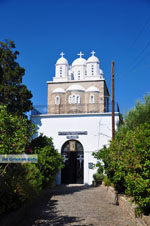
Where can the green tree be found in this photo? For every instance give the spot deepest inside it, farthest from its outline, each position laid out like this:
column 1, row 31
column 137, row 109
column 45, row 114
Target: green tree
column 15, row 133
column 21, row 182
column 127, row 159
column 139, row 114
column 13, row 93
column 18, row 182
column 49, row 160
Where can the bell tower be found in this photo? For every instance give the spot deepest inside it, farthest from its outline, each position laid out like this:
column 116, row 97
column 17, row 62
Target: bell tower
column 61, row 69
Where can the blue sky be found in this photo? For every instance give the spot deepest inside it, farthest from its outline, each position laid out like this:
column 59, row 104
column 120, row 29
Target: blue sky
column 117, row 30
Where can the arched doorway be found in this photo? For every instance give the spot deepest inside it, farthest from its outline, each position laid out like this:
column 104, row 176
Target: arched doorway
column 73, row 154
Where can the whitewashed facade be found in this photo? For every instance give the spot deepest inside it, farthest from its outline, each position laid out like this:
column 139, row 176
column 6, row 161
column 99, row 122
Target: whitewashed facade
column 77, row 114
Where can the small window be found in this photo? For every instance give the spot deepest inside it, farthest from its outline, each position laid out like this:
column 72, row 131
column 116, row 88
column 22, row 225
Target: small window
column 57, row 100
column 85, row 72
column 73, row 99
column 92, row 69
column 78, row 72
column 72, row 76
column 70, row 99
column 91, row 99
column 78, row 77
column 78, row 99
column 60, row 71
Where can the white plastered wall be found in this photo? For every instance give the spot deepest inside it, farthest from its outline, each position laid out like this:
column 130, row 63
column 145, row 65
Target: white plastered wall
column 98, row 127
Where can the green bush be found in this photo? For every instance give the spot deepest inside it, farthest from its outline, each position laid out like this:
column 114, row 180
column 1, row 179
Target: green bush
column 49, row 163
column 49, row 160
column 20, row 183
column 40, row 142
column 127, row 159
column 107, row 181
column 98, row 177
column 15, row 133
column 127, row 162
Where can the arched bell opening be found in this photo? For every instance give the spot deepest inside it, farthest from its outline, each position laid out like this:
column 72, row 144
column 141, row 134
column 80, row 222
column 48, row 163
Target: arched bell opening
column 73, row 153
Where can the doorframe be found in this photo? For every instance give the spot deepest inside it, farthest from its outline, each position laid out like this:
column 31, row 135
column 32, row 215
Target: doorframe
column 67, row 141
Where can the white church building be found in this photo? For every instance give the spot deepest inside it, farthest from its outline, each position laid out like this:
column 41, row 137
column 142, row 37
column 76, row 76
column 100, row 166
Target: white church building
column 78, row 116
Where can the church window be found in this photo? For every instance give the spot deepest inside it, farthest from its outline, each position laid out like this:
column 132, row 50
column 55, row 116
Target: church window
column 78, row 99
column 60, row 71
column 73, row 99
column 72, row 76
column 57, row 100
column 91, row 99
column 92, row 69
column 70, row 99
column 78, row 75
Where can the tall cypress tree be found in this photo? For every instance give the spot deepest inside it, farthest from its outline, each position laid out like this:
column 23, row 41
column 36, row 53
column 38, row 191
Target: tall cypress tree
column 13, row 93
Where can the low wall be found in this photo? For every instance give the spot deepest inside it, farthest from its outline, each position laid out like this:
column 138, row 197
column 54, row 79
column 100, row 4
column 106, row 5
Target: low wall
column 126, row 205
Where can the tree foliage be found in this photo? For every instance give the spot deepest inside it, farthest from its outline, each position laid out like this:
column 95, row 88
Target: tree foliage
column 127, row 159
column 21, row 182
column 18, row 182
column 15, row 133
column 139, row 114
column 49, row 160
column 13, row 93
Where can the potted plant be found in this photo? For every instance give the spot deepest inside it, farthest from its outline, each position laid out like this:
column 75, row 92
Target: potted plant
column 98, row 178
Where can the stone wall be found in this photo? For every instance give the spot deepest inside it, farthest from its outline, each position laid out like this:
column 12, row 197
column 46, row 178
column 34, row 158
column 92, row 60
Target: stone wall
column 126, row 205
column 84, row 106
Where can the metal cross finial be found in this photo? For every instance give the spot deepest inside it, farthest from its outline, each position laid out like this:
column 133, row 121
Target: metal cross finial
column 80, row 54
column 62, row 54
column 93, row 52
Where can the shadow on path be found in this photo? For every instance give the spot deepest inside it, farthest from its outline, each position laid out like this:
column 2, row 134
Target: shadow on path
column 44, row 211
column 65, row 189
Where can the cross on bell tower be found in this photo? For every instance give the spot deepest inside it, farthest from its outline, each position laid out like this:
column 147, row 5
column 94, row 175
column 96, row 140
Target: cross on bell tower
column 93, row 52
column 80, row 54
column 62, row 54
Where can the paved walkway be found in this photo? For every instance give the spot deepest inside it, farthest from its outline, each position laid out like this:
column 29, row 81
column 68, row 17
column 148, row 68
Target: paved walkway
column 77, row 205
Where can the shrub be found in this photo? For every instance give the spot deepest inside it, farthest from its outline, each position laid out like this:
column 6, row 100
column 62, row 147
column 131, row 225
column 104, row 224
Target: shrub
column 15, row 133
column 49, row 160
column 98, row 177
column 127, row 162
column 49, row 163
column 20, row 183
column 127, row 159
column 107, row 181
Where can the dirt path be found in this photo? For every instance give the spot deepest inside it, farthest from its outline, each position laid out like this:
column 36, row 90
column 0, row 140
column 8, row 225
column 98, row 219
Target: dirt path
column 77, row 205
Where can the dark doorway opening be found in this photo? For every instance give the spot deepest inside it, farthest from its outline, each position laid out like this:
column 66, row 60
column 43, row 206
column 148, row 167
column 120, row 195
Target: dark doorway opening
column 73, row 154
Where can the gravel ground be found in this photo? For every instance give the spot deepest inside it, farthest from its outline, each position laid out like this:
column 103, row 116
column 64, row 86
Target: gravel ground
column 77, row 205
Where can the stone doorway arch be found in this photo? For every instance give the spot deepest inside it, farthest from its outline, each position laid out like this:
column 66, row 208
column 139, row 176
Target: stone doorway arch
column 73, row 153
